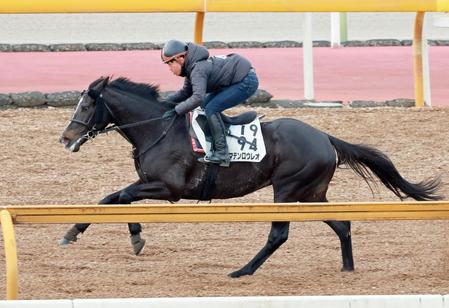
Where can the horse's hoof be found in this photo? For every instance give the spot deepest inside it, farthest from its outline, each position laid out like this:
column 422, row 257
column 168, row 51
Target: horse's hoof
column 70, row 237
column 138, row 244
column 234, row 275
column 139, row 247
column 64, row 242
column 238, row 274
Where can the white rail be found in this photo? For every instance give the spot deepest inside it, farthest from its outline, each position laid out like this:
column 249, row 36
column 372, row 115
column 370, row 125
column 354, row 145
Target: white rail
column 384, row 301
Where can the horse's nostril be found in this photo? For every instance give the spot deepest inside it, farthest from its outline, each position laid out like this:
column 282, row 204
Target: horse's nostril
column 64, row 140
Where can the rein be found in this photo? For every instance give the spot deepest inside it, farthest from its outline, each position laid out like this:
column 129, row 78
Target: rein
column 91, row 134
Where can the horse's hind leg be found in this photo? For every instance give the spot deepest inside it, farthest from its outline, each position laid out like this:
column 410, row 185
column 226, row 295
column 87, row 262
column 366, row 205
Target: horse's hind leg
column 290, row 189
column 343, row 230
column 278, row 235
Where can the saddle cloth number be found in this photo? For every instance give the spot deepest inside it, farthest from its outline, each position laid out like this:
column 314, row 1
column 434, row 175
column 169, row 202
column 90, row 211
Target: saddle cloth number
column 245, row 142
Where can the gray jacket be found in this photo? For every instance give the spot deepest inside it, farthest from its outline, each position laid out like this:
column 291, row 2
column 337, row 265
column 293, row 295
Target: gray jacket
column 204, row 74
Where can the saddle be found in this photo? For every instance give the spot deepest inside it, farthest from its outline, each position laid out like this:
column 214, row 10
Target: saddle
column 243, row 118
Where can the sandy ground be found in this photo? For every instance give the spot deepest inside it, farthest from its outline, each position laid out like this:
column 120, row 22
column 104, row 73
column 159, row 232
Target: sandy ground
column 194, row 259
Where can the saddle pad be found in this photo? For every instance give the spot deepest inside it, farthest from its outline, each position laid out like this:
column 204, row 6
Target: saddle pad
column 245, row 142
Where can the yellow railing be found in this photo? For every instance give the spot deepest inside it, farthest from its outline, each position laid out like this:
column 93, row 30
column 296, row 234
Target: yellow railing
column 10, row 215
column 141, row 6
column 200, row 7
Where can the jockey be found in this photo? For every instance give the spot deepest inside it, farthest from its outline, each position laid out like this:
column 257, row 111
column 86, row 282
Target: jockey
column 215, row 83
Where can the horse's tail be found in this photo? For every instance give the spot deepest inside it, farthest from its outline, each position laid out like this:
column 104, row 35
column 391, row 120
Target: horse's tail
column 362, row 159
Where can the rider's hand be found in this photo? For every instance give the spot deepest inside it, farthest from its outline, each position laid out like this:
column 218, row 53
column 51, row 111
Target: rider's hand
column 169, row 102
column 170, row 113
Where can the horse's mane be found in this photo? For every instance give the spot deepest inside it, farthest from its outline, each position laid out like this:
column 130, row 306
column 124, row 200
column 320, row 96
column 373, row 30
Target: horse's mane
column 140, row 89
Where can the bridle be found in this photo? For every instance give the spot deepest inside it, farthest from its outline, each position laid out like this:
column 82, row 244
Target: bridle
column 101, row 105
column 85, row 124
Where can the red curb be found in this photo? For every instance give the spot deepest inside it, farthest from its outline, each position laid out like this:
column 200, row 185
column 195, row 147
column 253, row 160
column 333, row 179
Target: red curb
column 350, row 73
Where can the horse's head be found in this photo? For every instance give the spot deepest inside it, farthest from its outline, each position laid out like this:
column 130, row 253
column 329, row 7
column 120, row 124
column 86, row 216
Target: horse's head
column 89, row 115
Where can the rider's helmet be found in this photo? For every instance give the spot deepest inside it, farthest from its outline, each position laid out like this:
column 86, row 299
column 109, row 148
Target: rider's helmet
column 173, row 49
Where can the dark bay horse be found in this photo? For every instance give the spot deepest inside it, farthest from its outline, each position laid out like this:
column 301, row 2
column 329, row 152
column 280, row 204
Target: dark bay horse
column 299, row 164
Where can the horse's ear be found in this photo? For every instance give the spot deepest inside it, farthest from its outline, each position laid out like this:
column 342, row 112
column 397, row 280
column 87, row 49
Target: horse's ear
column 105, row 81
column 100, row 83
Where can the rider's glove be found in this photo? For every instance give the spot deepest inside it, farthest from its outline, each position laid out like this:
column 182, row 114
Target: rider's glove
column 170, row 113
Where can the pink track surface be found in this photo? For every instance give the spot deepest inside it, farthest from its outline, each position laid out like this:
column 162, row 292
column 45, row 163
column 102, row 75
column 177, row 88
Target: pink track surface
column 359, row 73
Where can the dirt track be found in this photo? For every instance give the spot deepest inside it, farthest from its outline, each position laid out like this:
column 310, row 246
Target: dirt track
column 194, row 259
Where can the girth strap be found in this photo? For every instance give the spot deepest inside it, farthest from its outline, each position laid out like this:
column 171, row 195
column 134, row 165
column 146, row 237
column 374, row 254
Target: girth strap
column 209, row 181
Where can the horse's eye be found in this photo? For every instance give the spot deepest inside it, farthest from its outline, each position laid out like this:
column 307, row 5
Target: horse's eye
column 84, row 108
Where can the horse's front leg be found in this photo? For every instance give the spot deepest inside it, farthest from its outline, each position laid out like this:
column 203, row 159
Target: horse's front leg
column 134, row 192
column 71, row 235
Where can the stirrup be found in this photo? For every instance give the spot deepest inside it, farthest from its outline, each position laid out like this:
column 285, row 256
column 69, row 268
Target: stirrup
column 206, row 160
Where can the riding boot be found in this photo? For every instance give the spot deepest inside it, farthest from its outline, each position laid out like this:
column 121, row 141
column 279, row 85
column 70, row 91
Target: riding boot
column 138, row 243
column 220, row 154
column 70, row 236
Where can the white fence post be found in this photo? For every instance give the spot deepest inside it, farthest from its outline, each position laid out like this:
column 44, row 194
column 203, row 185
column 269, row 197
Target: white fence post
column 339, row 29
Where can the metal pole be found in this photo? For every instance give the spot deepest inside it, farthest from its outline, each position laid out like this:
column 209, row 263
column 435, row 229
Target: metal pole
column 418, row 60
column 199, row 25
column 426, row 68
column 343, row 27
column 307, row 48
column 12, row 286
